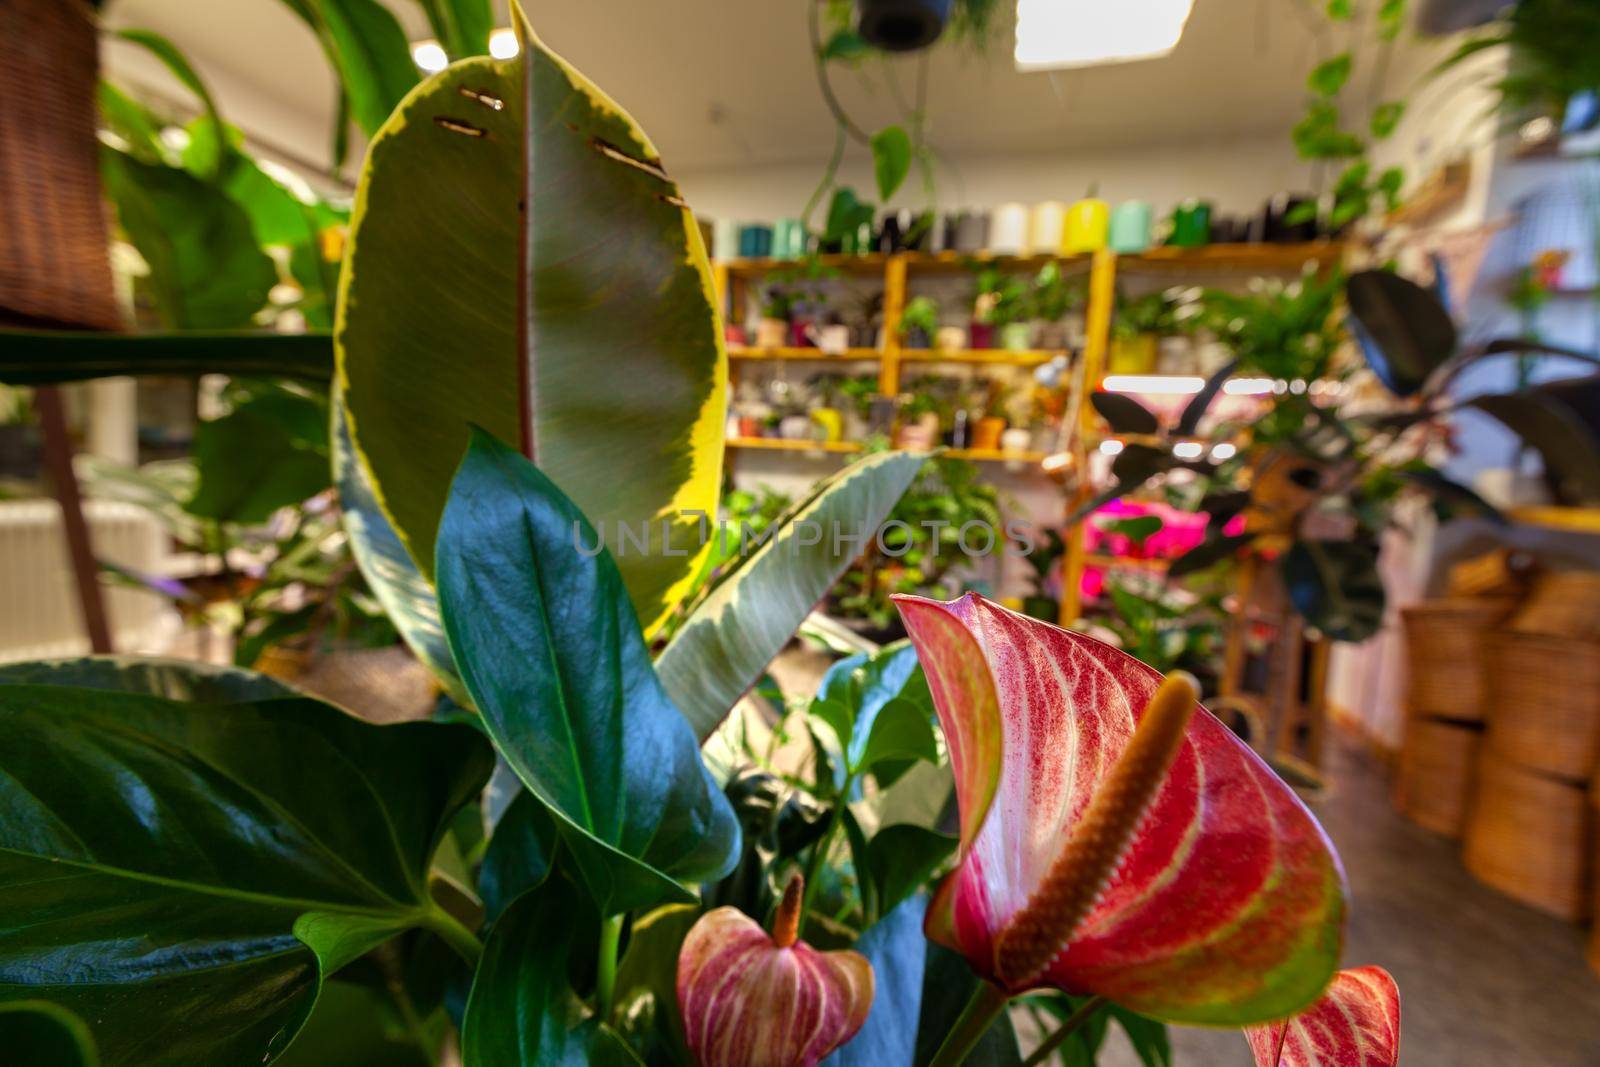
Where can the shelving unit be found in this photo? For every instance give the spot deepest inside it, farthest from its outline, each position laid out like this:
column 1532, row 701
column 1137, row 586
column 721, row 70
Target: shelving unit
column 733, row 277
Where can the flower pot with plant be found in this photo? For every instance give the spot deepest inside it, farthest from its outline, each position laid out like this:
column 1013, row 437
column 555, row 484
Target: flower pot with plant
column 988, row 428
column 990, row 290
column 777, row 308
column 1136, row 332
column 919, row 322
column 1005, row 303
column 1055, row 296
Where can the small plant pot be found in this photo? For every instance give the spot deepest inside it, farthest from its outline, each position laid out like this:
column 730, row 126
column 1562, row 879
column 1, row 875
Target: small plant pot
column 915, row 337
column 920, row 433
column 828, row 423
column 986, row 433
column 1016, row 439
column 795, row 428
column 950, row 339
column 750, row 426
column 800, row 331
column 1016, row 336
column 1132, row 355
column 771, row 333
column 982, row 335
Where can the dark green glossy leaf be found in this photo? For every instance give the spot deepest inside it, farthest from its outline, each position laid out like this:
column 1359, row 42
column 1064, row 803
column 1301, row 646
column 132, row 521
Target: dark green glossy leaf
column 250, row 465
column 879, row 708
column 174, row 679
column 891, row 159
column 901, row 859
column 355, row 1025
column 730, row 637
column 1452, row 494
column 520, row 854
column 627, row 369
column 550, row 649
column 1137, row 464
column 1124, row 414
column 407, row 597
column 206, row 271
column 1570, row 449
column 947, row 985
column 898, row 953
column 37, row 1032
column 847, row 213
column 177, row 860
column 373, row 56
column 1208, row 553
column 1200, row 403
column 1405, row 332
column 1335, row 585
column 522, row 1011
column 44, row 357
column 647, row 982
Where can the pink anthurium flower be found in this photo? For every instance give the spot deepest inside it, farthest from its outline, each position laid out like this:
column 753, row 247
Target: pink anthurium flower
column 1355, row 1024
column 753, row 1000
column 1210, row 897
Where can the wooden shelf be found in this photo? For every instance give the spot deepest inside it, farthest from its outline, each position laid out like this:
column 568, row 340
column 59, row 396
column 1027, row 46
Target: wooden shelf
column 784, row 444
column 996, row 456
column 998, row 357
column 1268, row 258
column 849, row 355
column 1272, row 258
column 1578, row 520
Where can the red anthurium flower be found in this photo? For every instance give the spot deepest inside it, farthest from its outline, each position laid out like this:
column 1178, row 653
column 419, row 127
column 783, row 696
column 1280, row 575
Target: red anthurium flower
column 1355, row 1024
column 753, row 1000
column 1211, row 896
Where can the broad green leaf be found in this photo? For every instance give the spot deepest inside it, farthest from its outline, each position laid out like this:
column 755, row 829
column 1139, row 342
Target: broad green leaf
column 901, row 859
column 1208, row 553
column 522, row 1012
column 1404, row 330
column 206, row 271
column 625, row 358
column 845, row 44
column 191, row 872
column 1336, row 586
column 1150, row 1040
column 131, row 121
column 649, row 972
column 1569, row 447
column 373, row 56
column 550, row 649
column 462, row 26
column 406, row 596
column 47, row 357
column 1124, row 414
column 729, row 638
column 355, row 1025
column 895, row 947
column 891, row 159
column 1329, row 76
column 1229, row 902
column 46, row 1034
column 520, row 854
column 878, row 707
column 174, row 679
column 208, row 162
column 250, row 465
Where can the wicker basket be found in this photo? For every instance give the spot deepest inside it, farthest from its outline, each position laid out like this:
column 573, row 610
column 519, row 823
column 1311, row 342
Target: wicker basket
column 1529, row 837
column 1562, row 604
column 1594, row 875
column 1435, row 776
column 54, row 264
column 1444, row 646
column 1544, row 703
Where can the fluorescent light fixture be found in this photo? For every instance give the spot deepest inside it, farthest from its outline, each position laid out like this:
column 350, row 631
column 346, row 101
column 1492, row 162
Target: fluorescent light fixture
column 1153, row 384
column 503, row 44
column 1059, row 34
column 1248, row 386
column 1110, row 448
column 1188, row 449
column 429, row 56
column 1223, row 451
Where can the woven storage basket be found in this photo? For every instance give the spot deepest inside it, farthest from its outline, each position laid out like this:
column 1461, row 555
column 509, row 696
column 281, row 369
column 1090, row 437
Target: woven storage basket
column 1562, row 604
column 1544, row 703
column 1435, row 777
column 1528, row 836
column 54, row 264
column 1444, row 651
column 1594, row 876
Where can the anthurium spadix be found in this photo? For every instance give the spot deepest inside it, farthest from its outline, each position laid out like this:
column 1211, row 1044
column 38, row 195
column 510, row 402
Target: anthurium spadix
column 753, row 999
column 1356, row 1023
column 1224, row 904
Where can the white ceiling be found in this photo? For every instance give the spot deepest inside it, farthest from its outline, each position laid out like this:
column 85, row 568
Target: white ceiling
column 725, row 83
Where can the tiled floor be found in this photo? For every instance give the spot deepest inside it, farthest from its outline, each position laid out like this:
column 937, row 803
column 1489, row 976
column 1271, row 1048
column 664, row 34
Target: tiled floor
column 1484, row 981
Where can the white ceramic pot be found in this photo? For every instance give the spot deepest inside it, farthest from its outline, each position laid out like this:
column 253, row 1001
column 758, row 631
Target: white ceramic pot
column 1016, row 439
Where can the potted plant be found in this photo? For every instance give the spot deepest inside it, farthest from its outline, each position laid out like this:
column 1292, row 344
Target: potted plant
column 1055, row 296
column 1136, row 331
column 919, row 322
column 777, row 309
column 987, row 430
column 1002, row 303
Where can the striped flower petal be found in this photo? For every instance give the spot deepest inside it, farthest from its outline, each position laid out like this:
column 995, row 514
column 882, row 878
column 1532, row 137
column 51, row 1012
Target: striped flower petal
column 1228, row 906
column 1355, row 1024
column 753, row 1000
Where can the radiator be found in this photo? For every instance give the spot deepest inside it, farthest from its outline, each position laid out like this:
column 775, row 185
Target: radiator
column 39, row 614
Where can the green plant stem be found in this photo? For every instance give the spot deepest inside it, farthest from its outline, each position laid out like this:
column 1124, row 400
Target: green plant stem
column 1073, row 1024
column 819, row 852
column 605, row 982
column 447, row 926
column 984, row 1006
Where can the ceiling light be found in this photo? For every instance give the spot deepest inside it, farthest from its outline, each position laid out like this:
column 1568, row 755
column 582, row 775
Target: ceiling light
column 1110, row 448
column 503, row 44
column 1223, row 451
column 1188, row 449
column 1247, row 386
column 1057, row 34
column 430, row 56
column 1169, row 384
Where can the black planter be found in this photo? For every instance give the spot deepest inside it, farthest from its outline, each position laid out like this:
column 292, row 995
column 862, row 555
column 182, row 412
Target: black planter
column 901, row 25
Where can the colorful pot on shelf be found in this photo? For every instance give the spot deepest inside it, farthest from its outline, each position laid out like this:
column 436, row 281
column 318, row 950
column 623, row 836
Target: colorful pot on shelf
column 1191, row 224
column 966, row 231
column 800, row 333
column 725, row 239
column 1087, row 225
column 735, row 334
column 772, row 333
column 950, row 339
column 920, row 434
column 1132, row 355
column 788, row 239
column 752, row 426
column 1275, row 225
column 755, row 241
column 1016, row 439
column 1008, row 234
column 833, row 338
column 981, row 334
column 1047, row 224
column 986, row 433
column 1131, row 226
column 829, row 424
column 1016, row 336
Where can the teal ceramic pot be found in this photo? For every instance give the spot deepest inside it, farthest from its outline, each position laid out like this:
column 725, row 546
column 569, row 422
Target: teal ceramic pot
column 1131, row 224
column 788, row 239
column 1191, row 224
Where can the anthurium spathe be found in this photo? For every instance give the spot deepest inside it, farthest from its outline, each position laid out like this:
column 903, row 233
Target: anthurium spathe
column 750, row 999
column 1355, row 1024
column 1224, row 903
